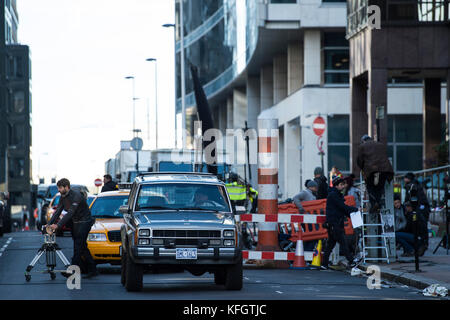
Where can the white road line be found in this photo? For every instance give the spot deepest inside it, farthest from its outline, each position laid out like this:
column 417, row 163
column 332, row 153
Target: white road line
column 5, row 246
column 279, row 292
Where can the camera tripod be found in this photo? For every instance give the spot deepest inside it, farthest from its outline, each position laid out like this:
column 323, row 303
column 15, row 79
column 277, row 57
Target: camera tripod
column 51, row 249
column 445, row 237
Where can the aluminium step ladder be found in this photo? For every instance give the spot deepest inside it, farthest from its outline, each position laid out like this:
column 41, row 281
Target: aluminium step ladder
column 372, row 223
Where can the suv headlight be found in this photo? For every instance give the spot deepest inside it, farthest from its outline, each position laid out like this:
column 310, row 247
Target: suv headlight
column 97, row 237
column 144, row 232
column 228, row 233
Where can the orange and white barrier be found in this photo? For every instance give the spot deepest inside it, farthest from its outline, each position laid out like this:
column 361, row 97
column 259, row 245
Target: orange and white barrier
column 274, row 255
column 281, row 218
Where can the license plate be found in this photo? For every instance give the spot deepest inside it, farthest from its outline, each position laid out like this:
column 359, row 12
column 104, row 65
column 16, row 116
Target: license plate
column 186, row 253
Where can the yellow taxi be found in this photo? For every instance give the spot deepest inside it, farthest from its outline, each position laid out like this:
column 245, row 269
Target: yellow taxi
column 104, row 238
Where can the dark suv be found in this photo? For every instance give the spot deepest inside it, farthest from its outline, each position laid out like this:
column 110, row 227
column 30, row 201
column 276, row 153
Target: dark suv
column 181, row 220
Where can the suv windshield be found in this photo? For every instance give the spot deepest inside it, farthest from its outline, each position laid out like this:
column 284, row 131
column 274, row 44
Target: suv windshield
column 182, row 196
column 108, row 207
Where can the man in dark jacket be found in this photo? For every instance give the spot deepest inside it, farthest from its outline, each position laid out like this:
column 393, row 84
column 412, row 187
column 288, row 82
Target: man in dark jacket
column 416, row 195
column 76, row 210
column 406, row 236
column 337, row 211
column 322, row 183
column 376, row 168
column 109, row 184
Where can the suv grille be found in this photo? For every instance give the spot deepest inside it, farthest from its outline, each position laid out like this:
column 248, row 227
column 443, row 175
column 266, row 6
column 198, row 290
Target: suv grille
column 186, row 234
column 114, row 236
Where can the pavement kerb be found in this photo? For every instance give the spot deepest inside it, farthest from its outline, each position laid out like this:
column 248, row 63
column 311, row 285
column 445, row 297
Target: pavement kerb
column 406, row 278
column 402, row 277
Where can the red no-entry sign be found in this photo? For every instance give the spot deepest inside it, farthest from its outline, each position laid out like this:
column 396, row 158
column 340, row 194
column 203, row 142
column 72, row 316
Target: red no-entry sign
column 98, row 182
column 319, row 126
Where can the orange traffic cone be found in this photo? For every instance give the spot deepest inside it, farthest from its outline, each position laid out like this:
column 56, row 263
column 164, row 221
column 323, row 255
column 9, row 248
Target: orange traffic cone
column 299, row 260
column 27, row 227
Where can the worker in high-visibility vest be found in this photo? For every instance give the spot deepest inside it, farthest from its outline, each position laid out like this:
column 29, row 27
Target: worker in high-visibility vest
column 236, row 191
column 253, row 195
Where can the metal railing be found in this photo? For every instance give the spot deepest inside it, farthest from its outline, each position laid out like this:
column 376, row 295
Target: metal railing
column 432, row 181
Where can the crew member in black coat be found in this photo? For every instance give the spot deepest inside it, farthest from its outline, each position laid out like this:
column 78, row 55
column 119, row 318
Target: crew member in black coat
column 77, row 211
column 336, row 212
column 109, row 184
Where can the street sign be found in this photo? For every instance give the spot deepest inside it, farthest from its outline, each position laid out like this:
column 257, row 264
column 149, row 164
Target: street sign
column 137, row 143
column 319, row 126
column 98, row 182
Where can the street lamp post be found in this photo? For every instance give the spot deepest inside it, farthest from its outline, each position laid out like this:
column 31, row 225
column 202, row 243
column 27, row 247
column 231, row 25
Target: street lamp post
column 134, row 104
column 183, row 84
column 156, row 98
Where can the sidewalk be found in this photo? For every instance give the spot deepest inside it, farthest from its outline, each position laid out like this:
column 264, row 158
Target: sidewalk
column 435, row 268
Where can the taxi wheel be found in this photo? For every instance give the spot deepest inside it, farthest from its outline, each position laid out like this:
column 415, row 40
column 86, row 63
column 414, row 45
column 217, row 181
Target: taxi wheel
column 123, row 262
column 134, row 275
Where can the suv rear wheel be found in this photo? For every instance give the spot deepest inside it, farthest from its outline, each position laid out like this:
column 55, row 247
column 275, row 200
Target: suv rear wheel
column 233, row 278
column 133, row 275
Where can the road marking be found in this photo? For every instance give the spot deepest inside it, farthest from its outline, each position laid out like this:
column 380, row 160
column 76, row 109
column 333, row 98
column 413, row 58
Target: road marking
column 279, row 292
column 5, row 246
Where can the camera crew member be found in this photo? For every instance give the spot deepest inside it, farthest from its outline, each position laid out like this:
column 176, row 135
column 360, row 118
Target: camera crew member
column 336, row 212
column 77, row 211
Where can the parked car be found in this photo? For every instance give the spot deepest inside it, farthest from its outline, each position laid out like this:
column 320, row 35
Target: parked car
column 183, row 220
column 2, row 217
column 104, row 238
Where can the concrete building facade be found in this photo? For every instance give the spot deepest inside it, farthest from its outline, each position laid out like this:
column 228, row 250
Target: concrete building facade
column 290, row 61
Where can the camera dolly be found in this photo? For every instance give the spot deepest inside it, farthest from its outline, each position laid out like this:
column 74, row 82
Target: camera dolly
column 51, row 249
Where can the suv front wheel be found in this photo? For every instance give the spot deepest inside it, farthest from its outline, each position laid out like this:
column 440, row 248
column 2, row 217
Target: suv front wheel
column 133, row 274
column 233, row 277
column 123, row 269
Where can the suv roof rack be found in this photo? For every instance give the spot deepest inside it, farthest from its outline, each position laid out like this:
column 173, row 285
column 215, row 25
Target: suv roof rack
column 125, row 186
column 174, row 172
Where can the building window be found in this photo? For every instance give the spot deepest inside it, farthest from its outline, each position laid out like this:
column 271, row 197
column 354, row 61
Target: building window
column 211, row 54
column 16, row 167
column 336, row 58
column 339, row 142
column 19, row 101
column 18, row 134
column 405, row 142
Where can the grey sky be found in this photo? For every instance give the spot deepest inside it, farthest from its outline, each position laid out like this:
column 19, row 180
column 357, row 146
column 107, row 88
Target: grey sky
column 82, row 105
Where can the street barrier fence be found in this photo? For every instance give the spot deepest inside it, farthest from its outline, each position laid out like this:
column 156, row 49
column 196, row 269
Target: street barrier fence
column 288, row 214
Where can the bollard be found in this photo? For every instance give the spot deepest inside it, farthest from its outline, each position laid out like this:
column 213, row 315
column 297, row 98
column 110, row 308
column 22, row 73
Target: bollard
column 268, row 187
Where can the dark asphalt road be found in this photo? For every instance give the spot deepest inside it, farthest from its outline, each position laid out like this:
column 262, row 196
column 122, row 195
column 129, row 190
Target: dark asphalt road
column 258, row 284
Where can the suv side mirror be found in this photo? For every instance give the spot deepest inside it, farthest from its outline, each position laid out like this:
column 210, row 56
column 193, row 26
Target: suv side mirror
column 123, row 209
column 240, row 210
